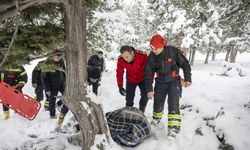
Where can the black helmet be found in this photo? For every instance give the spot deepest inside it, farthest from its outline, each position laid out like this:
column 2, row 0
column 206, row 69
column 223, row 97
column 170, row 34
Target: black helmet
column 94, row 72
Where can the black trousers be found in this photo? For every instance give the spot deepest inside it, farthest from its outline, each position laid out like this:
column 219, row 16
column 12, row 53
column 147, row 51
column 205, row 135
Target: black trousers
column 64, row 109
column 5, row 108
column 95, row 87
column 130, row 94
column 52, row 100
column 173, row 90
column 39, row 92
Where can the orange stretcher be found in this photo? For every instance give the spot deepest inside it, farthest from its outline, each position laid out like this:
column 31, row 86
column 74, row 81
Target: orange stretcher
column 22, row 104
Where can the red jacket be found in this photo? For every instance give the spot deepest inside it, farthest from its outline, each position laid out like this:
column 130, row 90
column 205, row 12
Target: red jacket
column 135, row 70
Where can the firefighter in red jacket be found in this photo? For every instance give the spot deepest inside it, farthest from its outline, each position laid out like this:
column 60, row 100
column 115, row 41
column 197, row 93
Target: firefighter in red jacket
column 133, row 61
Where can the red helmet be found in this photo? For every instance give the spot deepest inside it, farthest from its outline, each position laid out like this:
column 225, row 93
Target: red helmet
column 157, row 41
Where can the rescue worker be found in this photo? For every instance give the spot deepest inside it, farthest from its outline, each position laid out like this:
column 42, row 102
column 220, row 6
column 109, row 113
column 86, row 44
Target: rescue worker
column 94, row 75
column 166, row 61
column 15, row 76
column 37, row 84
column 97, row 61
column 53, row 80
column 133, row 61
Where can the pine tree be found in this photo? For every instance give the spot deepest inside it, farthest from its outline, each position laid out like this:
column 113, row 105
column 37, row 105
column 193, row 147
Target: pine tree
column 75, row 53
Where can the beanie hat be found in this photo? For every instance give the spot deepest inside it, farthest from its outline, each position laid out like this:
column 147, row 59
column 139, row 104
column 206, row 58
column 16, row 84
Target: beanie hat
column 94, row 72
column 157, row 41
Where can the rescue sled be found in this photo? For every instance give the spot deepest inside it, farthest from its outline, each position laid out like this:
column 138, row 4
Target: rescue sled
column 21, row 103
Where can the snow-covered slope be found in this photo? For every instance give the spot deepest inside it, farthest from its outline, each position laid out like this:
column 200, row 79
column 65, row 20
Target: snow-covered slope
column 220, row 106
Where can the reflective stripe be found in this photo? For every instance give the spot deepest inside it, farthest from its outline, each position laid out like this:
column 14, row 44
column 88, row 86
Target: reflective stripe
column 46, row 103
column 175, row 125
column 14, row 70
column 23, row 73
column 2, row 77
column 158, row 115
column 174, row 116
column 174, row 120
column 21, row 82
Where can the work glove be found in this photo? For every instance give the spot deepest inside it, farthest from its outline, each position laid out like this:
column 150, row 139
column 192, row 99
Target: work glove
column 122, row 91
column 19, row 88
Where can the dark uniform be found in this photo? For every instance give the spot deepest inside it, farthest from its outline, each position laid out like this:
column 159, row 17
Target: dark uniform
column 166, row 65
column 95, row 73
column 37, row 80
column 95, row 61
column 54, row 81
column 15, row 77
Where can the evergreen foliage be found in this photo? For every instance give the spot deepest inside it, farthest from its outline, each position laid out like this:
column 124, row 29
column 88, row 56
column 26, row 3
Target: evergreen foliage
column 42, row 30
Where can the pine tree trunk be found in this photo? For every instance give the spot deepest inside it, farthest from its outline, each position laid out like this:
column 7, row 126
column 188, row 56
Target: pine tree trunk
column 207, row 56
column 213, row 55
column 233, row 55
column 192, row 58
column 227, row 55
column 190, row 55
column 92, row 122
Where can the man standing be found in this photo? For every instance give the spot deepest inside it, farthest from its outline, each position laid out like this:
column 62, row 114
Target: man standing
column 133, row 61
column 53, row 80
column 97, row 61
column 37, row 84
column 166, row 61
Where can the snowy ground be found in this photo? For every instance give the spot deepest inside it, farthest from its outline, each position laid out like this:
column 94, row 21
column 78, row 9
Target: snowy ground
column 220, row 100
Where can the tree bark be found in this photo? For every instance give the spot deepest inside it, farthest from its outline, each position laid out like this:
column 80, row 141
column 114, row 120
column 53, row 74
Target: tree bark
column 192, row 57
column 213, row 55
column 227, row 55
column 91, row 122
column 207, row 56
column 233, row 55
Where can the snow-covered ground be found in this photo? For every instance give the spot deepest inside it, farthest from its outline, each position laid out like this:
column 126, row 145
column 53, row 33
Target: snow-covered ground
column 220, row 106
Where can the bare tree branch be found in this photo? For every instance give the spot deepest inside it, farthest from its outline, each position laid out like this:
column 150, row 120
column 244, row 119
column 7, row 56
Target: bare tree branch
column 17, row 21
column 7, row 10
column 50, row 53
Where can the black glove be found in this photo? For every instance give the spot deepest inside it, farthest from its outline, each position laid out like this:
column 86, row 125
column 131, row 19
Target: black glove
column 19, row 88
column 122, row 91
